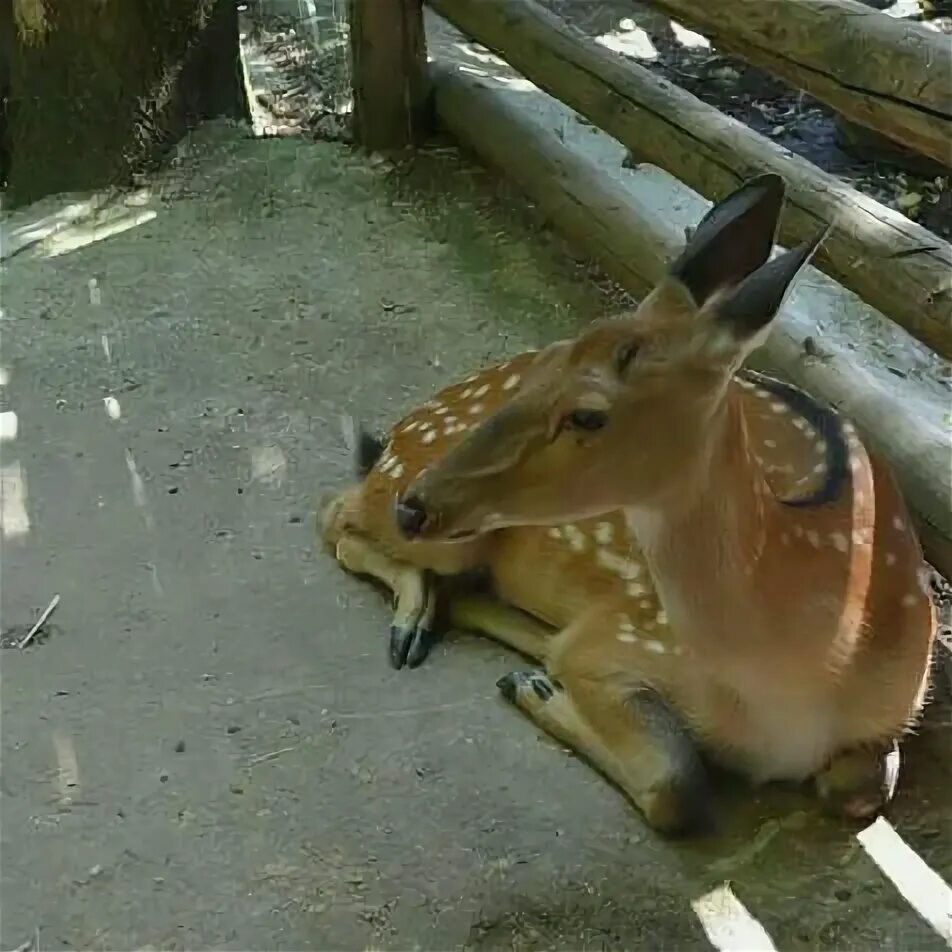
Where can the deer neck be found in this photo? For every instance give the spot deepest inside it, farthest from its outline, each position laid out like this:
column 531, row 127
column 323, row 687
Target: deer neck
column 706, row 536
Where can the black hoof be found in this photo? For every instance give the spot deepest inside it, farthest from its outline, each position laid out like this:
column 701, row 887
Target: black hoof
column 509, row 685
column 410, row 646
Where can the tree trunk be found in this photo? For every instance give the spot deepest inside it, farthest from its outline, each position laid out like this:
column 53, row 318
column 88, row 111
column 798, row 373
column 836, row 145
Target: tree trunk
column 889, row 75
column 901, row 419
column 892, row 263
column 99, row 90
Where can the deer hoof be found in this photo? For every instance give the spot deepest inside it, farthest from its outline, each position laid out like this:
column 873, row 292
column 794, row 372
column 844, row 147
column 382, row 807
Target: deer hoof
column 517, row 683
column 859, row 784
column 410, row 645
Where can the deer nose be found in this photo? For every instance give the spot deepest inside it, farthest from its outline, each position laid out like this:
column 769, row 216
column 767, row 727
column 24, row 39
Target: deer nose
column 411, row 516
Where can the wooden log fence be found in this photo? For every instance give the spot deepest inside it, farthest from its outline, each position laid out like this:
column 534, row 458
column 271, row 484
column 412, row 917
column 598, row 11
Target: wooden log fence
column 889, row 75
column 899, row 267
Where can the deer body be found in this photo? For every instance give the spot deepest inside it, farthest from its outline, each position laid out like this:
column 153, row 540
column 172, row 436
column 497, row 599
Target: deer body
column 723, row 564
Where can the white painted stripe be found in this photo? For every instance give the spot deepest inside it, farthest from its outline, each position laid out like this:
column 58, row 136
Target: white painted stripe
column 728, row 925
column 920, row 886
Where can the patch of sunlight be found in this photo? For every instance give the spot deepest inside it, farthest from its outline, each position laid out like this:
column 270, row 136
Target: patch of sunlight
column 481, row 56
column 727, row 923
column 112, row 407
column 67, row 764
column 629, row 40
column 32, row 21
column 95, row 298
column 268, row 464
column 104, row 340
column 4, row 376
column 473, row 70
column 920, row 886
column 78, row 236
column 688, row 38
column 14, row 520
column 903, row 8
column 138, row 489
column 8, row 425
column 517, row 83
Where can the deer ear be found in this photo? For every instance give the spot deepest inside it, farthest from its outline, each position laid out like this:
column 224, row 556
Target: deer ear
column 756, row 301
column 732, row 240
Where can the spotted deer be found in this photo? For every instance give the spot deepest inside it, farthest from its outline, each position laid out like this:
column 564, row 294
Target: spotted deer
column 709, row 563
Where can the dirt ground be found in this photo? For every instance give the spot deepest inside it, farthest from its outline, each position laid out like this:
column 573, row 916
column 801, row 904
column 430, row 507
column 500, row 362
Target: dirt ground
column 209, row 749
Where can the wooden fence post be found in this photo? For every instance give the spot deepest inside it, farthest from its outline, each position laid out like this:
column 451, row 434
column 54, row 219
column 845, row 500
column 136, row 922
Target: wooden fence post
column 388, row 66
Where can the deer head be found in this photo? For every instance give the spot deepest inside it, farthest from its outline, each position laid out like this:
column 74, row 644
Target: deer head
column 625, row 413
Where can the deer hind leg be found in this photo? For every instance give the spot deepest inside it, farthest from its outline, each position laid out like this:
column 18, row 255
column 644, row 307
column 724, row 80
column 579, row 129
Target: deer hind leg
column 859, row 782
column 494, row 618
column 636, row 741
column 412, row 634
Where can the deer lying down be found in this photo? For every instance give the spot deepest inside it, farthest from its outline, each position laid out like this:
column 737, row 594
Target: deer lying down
column 727, row 569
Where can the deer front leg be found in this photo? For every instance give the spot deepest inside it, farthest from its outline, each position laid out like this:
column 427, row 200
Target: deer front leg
column 497, row 620
column 636, row 741
column 414, row 591
column 858, row 783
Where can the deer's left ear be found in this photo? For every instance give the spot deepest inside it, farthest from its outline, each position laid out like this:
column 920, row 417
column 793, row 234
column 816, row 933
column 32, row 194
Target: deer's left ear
column 732, row 240
column 749, row 308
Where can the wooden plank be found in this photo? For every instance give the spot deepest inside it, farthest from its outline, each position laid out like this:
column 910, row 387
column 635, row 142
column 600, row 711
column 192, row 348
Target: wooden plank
column 892, row 76
column 894, row 264
column 388, row 64
column 901, row 419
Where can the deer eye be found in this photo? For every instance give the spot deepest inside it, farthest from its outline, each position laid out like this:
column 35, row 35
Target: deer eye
column 590, row 420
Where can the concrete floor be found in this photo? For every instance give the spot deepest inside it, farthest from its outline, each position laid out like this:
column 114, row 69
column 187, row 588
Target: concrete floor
column 209, row 749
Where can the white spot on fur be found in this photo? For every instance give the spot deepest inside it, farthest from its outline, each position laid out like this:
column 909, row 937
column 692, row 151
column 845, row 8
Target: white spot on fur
column 511, row 382
column 800, row 424
column 898, row 524
column 662, row 617
column 555, row 532
column 575, row 536
column 628, row 636
column 467, row 393
column 819, row 468
column 646, row 603
column 798, row 531
column 482, row 391
column 909, row 600
column 890, row 558
column 840, row 542
column 451, row 419
column 441, row 411
column 785, row 538
column 813, row 537
column 476, row 408
column 387, row 463
column 604, row 532
column 820, row 445
column 770, row 444
column 778, row 407
column 397, row 471
column 634, row 589
column 410, row 427
column 625, row 623
column 655, row 646
column 429, row 436
column 623, row 568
